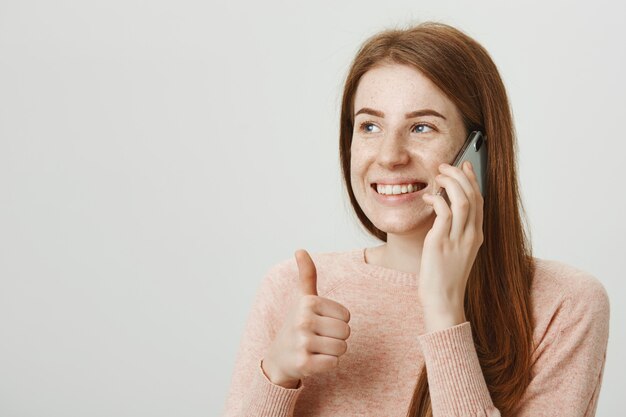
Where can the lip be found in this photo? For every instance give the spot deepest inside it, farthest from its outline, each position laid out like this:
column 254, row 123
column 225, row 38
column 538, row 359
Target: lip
column 396, row 200
column 397, row 181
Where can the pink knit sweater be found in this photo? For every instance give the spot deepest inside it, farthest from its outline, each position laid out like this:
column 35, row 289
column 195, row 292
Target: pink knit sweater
column 387, row 347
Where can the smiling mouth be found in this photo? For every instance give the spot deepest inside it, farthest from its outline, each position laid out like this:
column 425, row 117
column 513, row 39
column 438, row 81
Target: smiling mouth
column 398, row 190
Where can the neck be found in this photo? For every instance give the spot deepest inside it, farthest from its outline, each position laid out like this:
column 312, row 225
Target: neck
column 402, row 252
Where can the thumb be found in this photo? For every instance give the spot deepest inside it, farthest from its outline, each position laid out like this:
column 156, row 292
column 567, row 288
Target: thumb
column 307, row 272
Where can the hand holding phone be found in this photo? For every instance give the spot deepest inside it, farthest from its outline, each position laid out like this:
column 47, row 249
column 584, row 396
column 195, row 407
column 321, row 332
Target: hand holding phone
column 451, row 245
column 475, row 151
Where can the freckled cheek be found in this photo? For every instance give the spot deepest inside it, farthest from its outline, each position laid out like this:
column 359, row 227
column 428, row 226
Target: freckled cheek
column 441, row 156
column 356, row 179
column 358, row 174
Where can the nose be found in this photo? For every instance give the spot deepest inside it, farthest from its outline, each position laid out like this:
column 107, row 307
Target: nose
column 392, row 151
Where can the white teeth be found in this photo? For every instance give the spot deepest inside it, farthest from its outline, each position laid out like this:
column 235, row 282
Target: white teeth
column 396, row 189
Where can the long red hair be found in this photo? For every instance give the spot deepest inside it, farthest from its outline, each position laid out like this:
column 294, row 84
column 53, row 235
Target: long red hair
column 497, row 298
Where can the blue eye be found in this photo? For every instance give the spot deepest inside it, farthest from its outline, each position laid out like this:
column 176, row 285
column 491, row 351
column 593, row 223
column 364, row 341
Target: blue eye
column 422, row 125
column 369, row 127
column 364, row 127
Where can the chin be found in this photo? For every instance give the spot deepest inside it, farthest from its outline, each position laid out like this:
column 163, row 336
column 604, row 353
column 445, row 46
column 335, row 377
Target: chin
column 398, row 225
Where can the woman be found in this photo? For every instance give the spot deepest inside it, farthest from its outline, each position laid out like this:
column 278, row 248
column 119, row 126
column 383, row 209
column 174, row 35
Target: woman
column 451, row 315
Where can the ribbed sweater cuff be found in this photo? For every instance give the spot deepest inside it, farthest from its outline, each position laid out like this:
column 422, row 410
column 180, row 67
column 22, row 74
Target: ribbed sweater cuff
column 455, row 379
column 268, row 399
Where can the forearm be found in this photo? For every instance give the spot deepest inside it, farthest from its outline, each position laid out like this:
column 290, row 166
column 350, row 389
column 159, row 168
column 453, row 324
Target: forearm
column 439, row 316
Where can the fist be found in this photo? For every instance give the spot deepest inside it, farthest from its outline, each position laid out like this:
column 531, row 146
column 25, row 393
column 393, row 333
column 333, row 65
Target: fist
column 313, row 335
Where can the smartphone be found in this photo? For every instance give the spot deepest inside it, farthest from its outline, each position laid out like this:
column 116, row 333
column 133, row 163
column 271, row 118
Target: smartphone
column 475, row 151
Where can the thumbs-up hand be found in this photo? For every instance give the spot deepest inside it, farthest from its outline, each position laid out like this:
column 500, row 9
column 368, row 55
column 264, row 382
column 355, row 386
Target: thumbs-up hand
column 313, row 335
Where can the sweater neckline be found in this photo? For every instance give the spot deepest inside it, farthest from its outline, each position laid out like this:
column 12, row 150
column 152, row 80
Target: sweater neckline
column 382, row 273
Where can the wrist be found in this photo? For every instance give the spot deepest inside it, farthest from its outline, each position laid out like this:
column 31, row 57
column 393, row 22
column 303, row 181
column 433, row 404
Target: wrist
column 276, row 377
column 442, row 317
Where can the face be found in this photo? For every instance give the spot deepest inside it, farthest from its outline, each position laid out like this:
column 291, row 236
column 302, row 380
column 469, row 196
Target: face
column 391, row 146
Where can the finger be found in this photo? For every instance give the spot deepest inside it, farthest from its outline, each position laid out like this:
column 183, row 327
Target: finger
column 459, row 204
column 307, row 273
column 326, row 345
column 460, row 174
column 331, row 327
column 326, row 307
column 443, row 219
column 468, row 180
column 319, row 362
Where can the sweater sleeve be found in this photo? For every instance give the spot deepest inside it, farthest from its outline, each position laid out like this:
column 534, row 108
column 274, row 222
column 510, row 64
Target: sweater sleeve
column 455, row 379
column 569, row 360
column 251, row 392
column 566, row 375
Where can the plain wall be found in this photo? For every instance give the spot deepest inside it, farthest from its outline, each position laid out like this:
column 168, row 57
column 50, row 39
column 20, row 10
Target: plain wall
column 158, row 157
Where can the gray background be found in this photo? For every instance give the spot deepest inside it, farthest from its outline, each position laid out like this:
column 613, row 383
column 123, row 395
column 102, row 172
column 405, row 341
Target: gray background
column 158, row 157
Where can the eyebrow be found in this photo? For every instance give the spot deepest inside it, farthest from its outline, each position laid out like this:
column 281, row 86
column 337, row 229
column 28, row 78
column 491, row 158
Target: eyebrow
column 416, row 113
